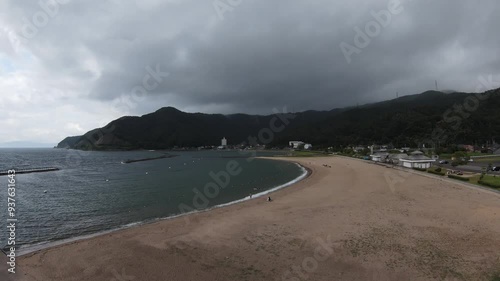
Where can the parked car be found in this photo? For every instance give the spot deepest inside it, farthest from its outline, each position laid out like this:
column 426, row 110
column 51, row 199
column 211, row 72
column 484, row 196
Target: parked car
column 496, row 169
column 443, row 162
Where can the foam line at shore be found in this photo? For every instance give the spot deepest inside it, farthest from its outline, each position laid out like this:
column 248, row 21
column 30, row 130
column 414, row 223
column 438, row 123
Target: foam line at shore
column 33, row 248
column 257, row 195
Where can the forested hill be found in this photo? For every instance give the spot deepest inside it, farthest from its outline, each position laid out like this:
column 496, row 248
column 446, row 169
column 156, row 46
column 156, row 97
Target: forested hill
column 409, row 120
column 169, row 127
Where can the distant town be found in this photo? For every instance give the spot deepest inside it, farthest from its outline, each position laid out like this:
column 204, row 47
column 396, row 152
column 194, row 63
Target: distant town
column 468, row 163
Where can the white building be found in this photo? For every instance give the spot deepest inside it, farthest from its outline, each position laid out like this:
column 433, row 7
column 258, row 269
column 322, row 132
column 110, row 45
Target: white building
column 404, row 149
column 358, row 148
column 379, row 156
column 224, row 142
column 418, row 160
column 296, row 144
column 396, row 158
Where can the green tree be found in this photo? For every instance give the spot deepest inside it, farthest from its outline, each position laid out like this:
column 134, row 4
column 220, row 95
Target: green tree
column 490, row 168
column 365, row 152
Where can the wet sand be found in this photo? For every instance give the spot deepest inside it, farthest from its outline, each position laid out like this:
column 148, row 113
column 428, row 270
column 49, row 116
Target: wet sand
column 354, row 221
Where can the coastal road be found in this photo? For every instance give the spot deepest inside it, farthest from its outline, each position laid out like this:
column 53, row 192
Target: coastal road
column 472, row 167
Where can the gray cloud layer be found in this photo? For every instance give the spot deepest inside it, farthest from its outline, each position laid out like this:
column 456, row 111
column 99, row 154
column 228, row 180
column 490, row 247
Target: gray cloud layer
column 262, row 54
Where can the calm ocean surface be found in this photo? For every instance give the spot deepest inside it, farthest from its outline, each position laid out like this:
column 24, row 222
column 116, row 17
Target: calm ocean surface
column 94, row 192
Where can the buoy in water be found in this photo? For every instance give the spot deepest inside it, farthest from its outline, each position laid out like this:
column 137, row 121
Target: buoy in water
column 45, row 191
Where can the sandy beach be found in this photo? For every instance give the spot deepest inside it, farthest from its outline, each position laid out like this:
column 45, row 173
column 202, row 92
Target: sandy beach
column 353, row 221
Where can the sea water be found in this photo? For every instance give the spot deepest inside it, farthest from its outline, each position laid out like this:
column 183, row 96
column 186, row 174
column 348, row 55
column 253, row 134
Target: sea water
column 94, row 192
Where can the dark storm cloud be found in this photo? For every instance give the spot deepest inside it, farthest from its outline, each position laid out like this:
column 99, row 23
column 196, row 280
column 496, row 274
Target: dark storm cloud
column 266, row 54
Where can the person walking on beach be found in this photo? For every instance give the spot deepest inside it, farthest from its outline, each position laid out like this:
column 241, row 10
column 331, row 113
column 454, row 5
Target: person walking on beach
column 269, row 199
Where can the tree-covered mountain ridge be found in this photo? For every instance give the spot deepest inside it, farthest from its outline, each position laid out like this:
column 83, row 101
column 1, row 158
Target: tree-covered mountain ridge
column 432, row 117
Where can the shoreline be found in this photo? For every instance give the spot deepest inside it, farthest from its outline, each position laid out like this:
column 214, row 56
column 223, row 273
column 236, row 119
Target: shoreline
column 42, row 246
column 417, row 228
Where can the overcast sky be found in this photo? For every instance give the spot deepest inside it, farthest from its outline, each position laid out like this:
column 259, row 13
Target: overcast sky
column 77, row 65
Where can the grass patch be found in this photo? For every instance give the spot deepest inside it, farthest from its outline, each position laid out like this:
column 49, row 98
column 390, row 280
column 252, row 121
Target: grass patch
column 488, row 159
column 455, row 177
column 445, row 156
column 475, row 179
column 437, row 171
column 490, row 181
column 496, row 277
column 468, row 154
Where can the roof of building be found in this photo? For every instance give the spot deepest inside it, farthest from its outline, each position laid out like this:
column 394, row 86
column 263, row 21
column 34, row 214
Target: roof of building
column 417, row 158
column 380, row 154
column 398, row 156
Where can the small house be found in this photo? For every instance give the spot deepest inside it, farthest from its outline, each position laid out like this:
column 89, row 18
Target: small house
column 395, row 158
column 358, row 149
column 379, row 157
column 295, row 144
column 418, row 160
